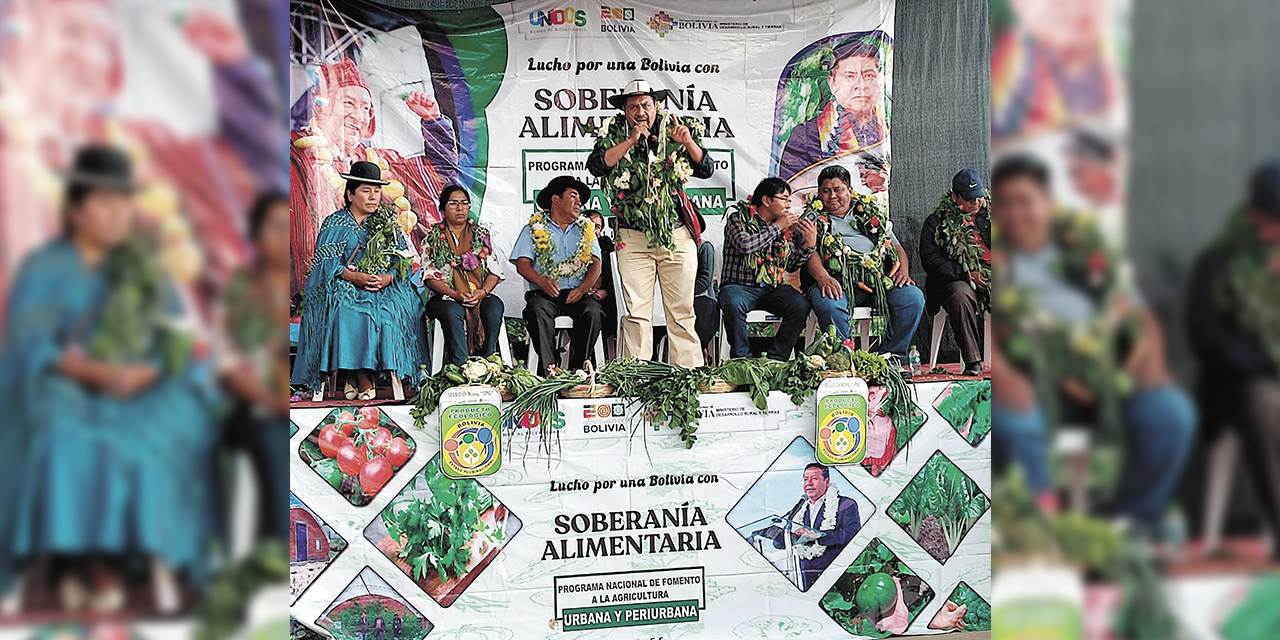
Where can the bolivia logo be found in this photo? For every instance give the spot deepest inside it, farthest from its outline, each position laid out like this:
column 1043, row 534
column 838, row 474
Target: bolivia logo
column 841, row 436
column 470, row 447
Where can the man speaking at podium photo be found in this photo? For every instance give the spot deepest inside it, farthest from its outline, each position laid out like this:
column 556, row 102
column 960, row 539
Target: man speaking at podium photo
column 825, row 511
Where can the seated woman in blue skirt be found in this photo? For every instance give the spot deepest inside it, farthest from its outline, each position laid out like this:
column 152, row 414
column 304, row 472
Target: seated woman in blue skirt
column 356, row 323
column 460, row 268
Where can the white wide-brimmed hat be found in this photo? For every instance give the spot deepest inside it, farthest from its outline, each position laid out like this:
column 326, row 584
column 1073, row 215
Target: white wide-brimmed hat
column 637, row 88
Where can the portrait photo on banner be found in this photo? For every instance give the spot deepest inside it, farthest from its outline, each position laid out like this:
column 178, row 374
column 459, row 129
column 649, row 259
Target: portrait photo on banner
column 834, row 105
column 813, row 505
column 408, row 95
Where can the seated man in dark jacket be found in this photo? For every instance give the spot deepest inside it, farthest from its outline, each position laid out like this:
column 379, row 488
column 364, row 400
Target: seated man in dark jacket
column 1234, row 304
column 957, row 269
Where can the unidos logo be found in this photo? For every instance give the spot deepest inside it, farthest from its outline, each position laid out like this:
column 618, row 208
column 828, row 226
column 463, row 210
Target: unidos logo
column 558, row 18
column 661, row 23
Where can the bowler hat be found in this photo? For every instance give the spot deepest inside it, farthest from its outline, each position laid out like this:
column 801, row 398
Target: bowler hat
column 557, row 186
column 363, row 171
column 101, row 166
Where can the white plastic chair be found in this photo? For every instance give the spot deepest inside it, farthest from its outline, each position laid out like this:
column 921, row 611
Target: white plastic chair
column 564, row 324
column 861, row 314
column 437, row 346
column 754, row 316
column 940, row 321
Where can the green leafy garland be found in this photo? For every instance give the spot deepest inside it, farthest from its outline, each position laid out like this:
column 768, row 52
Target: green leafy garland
column 577, row 264
column 441, row 254
column 868, row 271
column 1248, row 290
column 957, row 234
column 135, row 322
column 642, row 190
column 770, row 265
column 383, row 250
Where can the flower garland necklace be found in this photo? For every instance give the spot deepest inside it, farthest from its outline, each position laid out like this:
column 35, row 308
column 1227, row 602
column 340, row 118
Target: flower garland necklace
column 957, row 234
column 830, row 508
column 1247, row 289
column 769, row 266
column 441, row 251
column 641, row 189
column 871, row 271
column 575, row 265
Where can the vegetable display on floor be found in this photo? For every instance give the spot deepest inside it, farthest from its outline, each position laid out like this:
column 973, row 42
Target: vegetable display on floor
column 878, row 595
column 939, row 507
column 357, row 452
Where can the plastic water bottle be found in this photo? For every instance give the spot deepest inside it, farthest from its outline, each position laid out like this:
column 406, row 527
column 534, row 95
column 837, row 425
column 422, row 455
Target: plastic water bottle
column 1174, row 533
column 913, row 358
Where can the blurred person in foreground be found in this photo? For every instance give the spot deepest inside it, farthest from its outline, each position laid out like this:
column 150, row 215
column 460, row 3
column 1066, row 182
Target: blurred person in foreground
column 253, row 356
column 66, row 63
column 107, row 436
column 1234, row 324
column 1093, row 335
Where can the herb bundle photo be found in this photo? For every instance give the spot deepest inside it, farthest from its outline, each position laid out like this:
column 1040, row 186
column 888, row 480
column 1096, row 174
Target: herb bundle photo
column 442, row 532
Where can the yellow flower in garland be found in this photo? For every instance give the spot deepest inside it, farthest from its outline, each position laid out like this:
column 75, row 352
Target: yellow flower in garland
column 577, row 263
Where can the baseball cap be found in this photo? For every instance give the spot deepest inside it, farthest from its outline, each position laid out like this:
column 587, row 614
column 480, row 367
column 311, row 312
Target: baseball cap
column 967, row 184
column 1264, row 188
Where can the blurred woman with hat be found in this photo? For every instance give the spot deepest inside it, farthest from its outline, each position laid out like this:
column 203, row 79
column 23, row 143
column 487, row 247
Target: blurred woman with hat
column 354, row 323
column 107, row 433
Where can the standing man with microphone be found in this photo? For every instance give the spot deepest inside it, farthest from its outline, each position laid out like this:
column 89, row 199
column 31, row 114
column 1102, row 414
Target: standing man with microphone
column 644, row 160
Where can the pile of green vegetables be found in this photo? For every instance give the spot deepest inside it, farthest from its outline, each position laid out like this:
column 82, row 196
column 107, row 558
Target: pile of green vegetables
column 136, row 324
column 383, row 252
column 490, row 371
column 436, row 534
column 969, row 400
column 939, row 506
column 222, row 610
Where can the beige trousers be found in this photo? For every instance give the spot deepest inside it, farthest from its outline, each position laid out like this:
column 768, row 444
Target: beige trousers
column 640, row 267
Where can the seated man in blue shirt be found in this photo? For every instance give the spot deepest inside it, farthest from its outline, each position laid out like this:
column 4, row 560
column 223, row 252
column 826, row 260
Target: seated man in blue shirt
column 905, row 301
column 558, row 253
column 762, row 244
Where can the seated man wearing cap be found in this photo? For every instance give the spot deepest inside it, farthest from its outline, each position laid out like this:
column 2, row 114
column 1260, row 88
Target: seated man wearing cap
column 558, row 253
column 762, row 244
column 644, row 160
column 955, row 248
column 1232, row 326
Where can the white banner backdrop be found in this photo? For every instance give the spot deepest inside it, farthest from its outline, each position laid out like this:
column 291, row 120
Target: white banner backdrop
column 583, row 537
column 754, row 73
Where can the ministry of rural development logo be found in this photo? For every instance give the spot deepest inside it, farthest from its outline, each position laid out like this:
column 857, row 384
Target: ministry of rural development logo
column 567, row 17
column 618, row 13
column 661, row 23
column 616, row 410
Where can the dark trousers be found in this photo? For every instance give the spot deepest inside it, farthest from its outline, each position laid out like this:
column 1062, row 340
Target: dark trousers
column 452, row 317
column 1257, row 419
column 961, row 303
column 706, row 318
column 737, row 300
column 540, row 312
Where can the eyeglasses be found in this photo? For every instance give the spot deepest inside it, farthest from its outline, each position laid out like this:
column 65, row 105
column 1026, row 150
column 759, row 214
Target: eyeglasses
column 459, row 203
